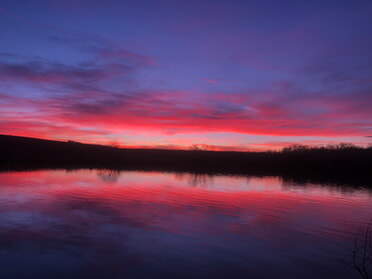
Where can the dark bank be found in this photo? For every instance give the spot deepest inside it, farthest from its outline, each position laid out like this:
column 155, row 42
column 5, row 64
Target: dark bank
column 342, row 163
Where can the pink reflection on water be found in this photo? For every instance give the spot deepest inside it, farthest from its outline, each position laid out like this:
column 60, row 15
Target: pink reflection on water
column 254, row 200
column 97, row 208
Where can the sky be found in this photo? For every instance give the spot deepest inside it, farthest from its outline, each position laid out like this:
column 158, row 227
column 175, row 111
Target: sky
column 226, row 75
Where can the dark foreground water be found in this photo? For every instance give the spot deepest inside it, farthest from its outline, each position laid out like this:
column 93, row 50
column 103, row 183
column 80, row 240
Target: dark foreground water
column 104, row 224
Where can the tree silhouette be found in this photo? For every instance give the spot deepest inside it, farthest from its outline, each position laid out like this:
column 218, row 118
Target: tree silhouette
column 360, row 251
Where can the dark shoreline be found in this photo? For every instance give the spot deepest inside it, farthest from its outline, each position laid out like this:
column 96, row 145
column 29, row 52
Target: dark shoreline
column 344, row 164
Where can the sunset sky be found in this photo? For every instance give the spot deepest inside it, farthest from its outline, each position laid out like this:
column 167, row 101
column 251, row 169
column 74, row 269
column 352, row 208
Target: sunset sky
column 232, row 75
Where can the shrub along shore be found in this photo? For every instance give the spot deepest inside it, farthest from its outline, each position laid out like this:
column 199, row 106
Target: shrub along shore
column 343, row 162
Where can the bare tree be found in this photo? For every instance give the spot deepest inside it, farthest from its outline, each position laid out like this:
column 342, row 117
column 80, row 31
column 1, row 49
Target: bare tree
column 360, row 251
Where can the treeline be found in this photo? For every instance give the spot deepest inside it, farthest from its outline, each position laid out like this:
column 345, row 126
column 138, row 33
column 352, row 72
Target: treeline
column 343, row 162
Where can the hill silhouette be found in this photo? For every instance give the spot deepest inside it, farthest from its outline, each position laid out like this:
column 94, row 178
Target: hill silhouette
column 343, row 163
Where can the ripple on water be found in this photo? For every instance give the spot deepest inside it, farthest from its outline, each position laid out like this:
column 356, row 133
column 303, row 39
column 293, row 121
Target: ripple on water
column 175, row 225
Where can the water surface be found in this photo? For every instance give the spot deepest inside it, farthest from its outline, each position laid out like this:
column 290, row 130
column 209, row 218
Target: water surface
column 107, row 224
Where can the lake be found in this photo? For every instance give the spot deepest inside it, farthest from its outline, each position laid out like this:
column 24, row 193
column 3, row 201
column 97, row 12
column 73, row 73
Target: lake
column 132, row 224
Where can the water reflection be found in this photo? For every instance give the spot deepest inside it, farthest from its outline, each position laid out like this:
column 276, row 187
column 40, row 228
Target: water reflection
column 195, row 179
column 108, row 175
column 106, row 224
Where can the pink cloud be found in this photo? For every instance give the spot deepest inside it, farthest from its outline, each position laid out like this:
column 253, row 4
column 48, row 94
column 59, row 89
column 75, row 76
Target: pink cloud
column 211, row 81
column 141, row 60
column 170, row 111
